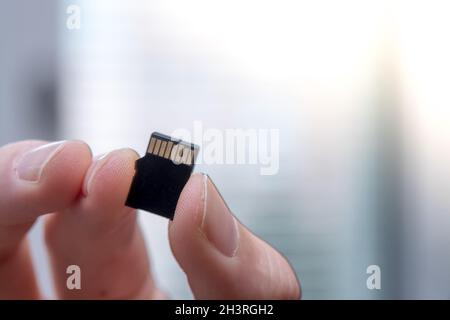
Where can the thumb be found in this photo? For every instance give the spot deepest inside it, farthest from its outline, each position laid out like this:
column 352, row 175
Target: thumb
column 221, row 258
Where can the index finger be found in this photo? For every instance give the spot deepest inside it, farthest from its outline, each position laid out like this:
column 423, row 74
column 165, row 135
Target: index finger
column 35, row 178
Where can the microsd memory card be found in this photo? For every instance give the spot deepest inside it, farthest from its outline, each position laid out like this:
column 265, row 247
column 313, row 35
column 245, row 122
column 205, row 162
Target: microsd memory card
column 161, row 175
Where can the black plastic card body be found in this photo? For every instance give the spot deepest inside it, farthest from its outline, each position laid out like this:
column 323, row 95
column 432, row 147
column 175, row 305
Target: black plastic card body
column 161, row 175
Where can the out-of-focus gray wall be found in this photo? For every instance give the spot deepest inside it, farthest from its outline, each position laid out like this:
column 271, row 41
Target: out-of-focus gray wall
column 28, row 88
column 28, row 64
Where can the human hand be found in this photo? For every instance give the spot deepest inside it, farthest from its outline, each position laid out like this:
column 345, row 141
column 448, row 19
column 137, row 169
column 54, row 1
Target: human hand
column 89, row 226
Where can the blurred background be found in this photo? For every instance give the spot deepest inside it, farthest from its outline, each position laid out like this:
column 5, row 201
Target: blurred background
column 359, row 91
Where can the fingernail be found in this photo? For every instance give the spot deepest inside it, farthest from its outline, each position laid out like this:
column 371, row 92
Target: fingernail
column 97, row 163
column 32, row 163
column 219, row 224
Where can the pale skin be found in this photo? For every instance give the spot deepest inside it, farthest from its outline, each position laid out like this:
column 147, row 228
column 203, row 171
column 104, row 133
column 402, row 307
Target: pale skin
column 87, row 224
